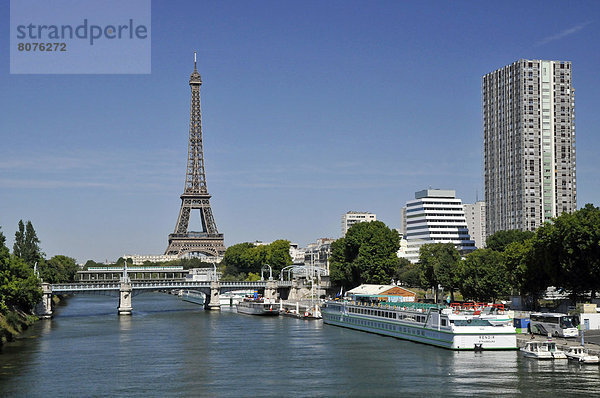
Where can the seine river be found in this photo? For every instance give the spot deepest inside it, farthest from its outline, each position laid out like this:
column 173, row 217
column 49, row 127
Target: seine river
column 173, row 348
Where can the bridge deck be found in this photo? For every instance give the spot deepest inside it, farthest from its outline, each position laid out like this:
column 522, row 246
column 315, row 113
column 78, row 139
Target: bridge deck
column 159, row 284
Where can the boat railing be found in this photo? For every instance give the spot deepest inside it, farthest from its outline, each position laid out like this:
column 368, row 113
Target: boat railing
column 477, row 308
column 401, row 305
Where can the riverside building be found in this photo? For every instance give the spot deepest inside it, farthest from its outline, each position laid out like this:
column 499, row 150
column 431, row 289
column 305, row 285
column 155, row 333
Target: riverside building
column 528, row 144
column 353, row 217
column 436, row 216
column 475, row 216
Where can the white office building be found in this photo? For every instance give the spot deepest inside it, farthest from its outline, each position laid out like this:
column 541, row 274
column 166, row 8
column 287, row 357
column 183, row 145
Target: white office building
column 475, row 216
column 353, row 217
column 436, row 216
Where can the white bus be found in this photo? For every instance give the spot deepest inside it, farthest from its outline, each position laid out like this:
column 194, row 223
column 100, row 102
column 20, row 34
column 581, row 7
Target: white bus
column 558, row 325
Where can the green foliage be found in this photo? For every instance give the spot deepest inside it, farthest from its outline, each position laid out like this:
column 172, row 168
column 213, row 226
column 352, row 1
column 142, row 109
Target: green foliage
column 252, row 277
column 59, row 269
column 91, row 263
column 26, row 244
column 501, row 239
column 19, row 287
column 438, row 265
column 568, row 250
column 483, row 276
column 244, row 259
column 408, row 274
column 367, row 254
column 19, row 245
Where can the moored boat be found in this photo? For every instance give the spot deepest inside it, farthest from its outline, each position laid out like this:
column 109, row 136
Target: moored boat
column 556, row 353
column 424, row 323
column 578, row 353
column 535, row 349
column 257, row 306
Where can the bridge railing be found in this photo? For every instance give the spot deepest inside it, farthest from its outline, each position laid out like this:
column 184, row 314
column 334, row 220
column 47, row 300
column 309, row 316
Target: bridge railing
column 159, row 284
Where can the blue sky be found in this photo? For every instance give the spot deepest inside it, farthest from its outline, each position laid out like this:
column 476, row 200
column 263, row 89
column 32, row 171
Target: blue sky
column 310, row 109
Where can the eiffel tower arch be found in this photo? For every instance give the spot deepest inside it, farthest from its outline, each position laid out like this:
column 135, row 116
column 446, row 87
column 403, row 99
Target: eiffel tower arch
column 208, row 242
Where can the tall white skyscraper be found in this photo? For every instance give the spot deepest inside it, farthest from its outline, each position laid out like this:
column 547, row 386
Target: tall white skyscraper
column 528, row 144
column 436, row 216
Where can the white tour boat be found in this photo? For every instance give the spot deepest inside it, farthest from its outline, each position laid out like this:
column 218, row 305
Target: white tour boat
column 535, row 349
column 257, row 306
column 425, row 323
column 578, row 353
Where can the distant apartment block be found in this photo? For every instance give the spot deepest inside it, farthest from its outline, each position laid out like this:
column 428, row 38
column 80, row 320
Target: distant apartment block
column 318, row 253
column 353, row 217
column 297, row 253
column 528, row 144
column 403, row 243
column 436, row 216
column 140, row 259
column 475, row 216
column 402, row 229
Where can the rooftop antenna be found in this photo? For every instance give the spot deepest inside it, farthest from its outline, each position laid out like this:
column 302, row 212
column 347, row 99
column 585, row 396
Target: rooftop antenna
column 194, row 61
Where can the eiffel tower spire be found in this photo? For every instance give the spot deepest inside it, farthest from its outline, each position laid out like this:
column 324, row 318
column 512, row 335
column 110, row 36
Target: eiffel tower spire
column 209, row 241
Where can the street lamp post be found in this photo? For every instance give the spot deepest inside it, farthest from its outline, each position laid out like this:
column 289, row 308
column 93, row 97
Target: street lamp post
column 215, row 275
column 270, row 272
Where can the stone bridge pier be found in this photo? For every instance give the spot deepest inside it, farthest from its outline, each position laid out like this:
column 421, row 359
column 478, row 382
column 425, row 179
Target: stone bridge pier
column 44, row 308
column 125, row 298
column 214, row 303
column 270, row 290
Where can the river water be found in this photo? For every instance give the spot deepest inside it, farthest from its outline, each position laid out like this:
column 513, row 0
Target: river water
column 173, row 348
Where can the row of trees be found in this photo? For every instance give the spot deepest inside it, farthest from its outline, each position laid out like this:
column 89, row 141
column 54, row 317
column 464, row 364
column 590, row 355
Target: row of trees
column 19, row 285
column 245, row 260
column 564, row 253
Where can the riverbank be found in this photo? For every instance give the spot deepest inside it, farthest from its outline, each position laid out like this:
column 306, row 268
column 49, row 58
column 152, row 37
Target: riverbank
column 14, row 322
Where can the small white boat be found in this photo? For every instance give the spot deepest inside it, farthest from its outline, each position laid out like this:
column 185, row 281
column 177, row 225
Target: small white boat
column 578, row 353
column 556, row 353
column 537, row 350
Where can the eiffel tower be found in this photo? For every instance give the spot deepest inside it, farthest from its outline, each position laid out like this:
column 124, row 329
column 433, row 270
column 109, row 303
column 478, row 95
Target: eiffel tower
column 209, row 241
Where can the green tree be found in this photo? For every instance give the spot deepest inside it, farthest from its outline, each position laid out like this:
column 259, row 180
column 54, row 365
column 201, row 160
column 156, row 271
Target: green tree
column 501, row 239
column 408, row 274
column 91, row 263
column 568, row 249
column 26, row 244
column 19, row 287
column 438, row 264
column 19, row 245
column 279, row 256
column 59, row 269
column 483, row 276
column 367, row 254
column 247, row 258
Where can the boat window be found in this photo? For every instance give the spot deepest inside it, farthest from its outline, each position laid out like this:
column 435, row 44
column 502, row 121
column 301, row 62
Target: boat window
column 444, row 322
column 471, row 322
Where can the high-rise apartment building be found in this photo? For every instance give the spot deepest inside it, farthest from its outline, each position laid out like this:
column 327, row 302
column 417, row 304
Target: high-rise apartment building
column 353, row 217
column 475, row 216
column 528, row 144
column 436, row 216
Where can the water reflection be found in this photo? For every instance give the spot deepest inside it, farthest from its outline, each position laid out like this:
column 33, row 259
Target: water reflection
column 169, row 347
